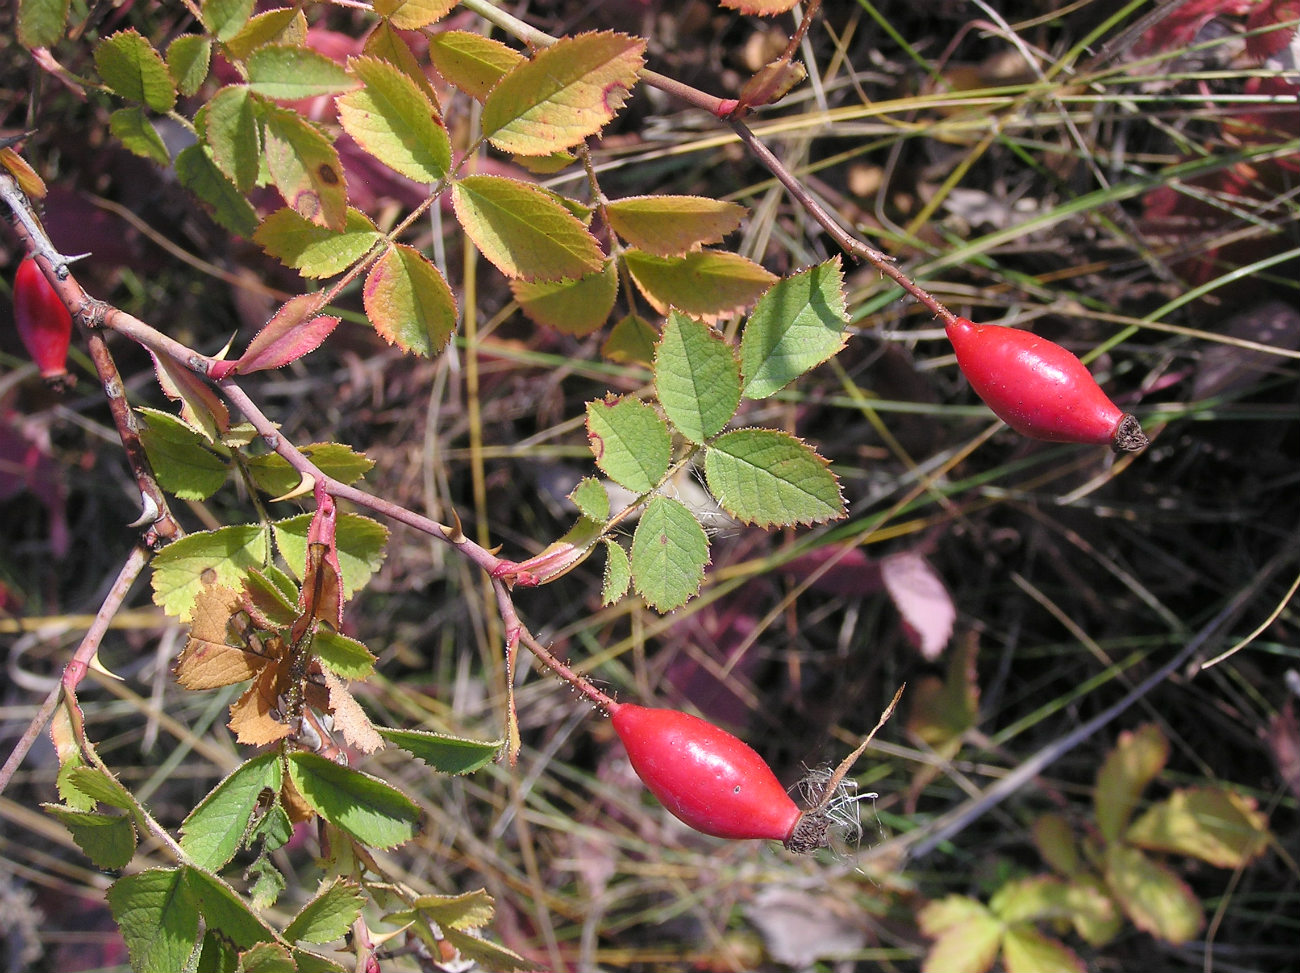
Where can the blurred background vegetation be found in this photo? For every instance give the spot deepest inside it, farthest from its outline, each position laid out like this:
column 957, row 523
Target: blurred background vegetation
column 1125, row 186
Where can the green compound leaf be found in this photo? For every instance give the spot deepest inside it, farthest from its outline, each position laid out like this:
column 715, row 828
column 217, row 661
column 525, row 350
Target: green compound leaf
column 316, row 251
column 344, row 656
column 564, row 94
column 365, row 807
column 413, row 14
column 108, row 840
column 524, row 231
column 267, row 958
column 305, row 167
column 669, row 226
column 697, row 378
column 798, row 324
column 591, row 499
column 1138, row 756
column 288, row 73
column 707, row 284
column 630, row 441
column 618, row 573
column 409, row 303
column 130, row 127
column 361, row 542
column 214, row 830
column 328, row 915
column 285, row 25
column 393, row 120
column 1153, row 896
column 669, row 553
column 158, row 918
column 1214, row 824
column 182, row 458
column 273, row 474
column 772, row 479
column 228, row 125
column 228, row 552
column 471, row 62
column 226, row 18
column 188, row 59
column 41, row 22
column 223, row 909
column 576, row 307
column 128, row 64
column 443, row 752
column 201, row 176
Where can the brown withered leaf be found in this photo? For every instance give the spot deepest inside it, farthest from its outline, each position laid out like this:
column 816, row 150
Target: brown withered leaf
column 208, row 660
column 350, row 719
column 293, row 802
column 251, row 716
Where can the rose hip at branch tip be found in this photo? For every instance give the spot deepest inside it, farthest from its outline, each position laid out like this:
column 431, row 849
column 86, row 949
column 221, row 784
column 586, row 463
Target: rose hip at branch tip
column 708, row 778
column 1040, row 389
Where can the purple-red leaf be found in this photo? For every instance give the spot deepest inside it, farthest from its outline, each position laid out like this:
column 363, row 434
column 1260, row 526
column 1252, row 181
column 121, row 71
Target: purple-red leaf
column 292, row 332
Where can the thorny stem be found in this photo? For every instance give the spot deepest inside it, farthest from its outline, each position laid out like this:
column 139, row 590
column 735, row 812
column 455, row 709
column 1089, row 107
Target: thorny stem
column 78, row 665
column 160, row 526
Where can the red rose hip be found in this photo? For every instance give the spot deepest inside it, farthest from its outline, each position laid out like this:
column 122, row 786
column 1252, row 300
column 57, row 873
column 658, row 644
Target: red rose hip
column 1040, row 389
column 43, row 323
column 711, row 780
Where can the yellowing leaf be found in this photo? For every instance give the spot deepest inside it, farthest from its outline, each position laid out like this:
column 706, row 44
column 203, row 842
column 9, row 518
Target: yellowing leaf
column 1156, row 899
column 32, row 185
column 576, row 307
column 1026, row 950
column 707, row 284
column 1214, row 824
column 413, row 14
column 409, row 302
column 251, row 717
column 523, row 230
column 393, row 120
column 566, row 93
column 966, row 936
column 471, row 62
column 316, row 251
column 668, row 226
column 1137, row 758
column 208, row 661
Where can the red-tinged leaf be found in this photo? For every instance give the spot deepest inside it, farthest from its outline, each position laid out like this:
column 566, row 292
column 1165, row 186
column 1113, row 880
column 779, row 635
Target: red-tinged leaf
column 292, row 332
column 1185, row 20
column 922, row 600
column 772, row 82
column 560, row 557
column 409, row 302
column 1153, row 896
column 1264, row 15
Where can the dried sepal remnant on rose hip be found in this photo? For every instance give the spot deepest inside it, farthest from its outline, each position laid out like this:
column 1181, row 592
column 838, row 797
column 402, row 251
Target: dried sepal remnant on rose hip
column 43, row 323
column 1040, row 389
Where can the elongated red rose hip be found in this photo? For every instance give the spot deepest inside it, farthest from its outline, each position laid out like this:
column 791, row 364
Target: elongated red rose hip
column 43, row 323
column 711, row 780
column 1040, row 389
